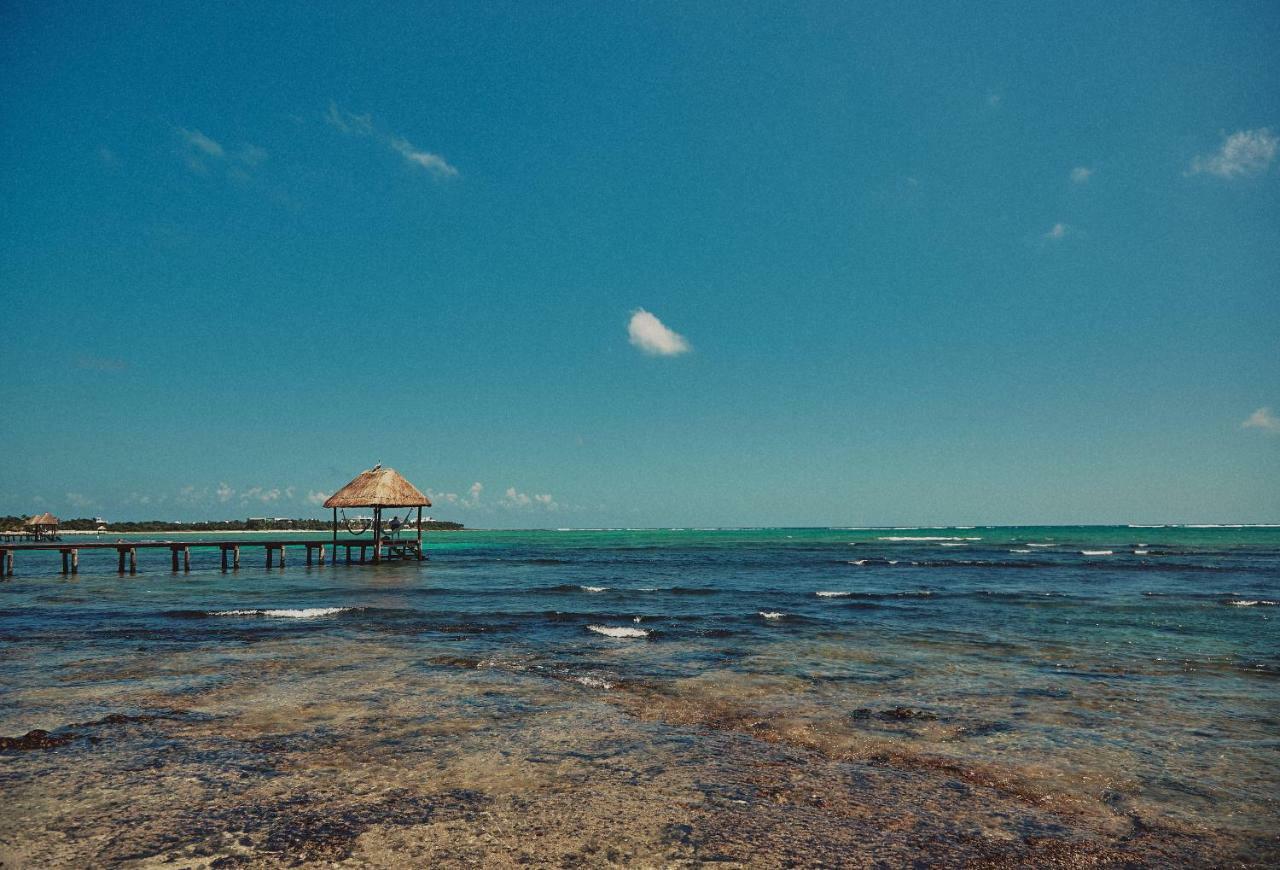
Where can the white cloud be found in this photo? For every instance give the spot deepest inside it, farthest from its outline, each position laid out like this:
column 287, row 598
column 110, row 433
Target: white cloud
column 362, row 125
column 1264, row 419
column 224, row 492
column 649, row 334
column 1057, row 231
column 1081, row 174
column 316, row 497
column 513, row 498
column 262, row 494
column 1246, row 152
column 433, row 163
column 994, row 99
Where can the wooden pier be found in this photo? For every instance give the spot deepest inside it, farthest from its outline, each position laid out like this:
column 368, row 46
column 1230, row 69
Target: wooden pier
column 357, row 551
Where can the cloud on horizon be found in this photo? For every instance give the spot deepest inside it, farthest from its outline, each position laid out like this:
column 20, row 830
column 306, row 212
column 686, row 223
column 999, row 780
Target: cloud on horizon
column 1263, row 418
column 1081, row 174
column 1056, row 232
column 362, row 125
column 652, row 336
column 1245, row 152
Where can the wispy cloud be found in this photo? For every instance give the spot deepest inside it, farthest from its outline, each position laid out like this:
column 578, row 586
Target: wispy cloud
column 316, row 497
column 224, row 492
column 433, row 163
column 1057, row 232
column 199, row 152
column 1263, row 419
column 362, row 125
column 1081, row 174
column 1246, row 152
column 200, row 143
column 101, row 363
column 652, row 336
column 79, row 500
column 994, row 99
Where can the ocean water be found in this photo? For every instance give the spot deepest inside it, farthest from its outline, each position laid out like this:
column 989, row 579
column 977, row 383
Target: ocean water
column 658, row 697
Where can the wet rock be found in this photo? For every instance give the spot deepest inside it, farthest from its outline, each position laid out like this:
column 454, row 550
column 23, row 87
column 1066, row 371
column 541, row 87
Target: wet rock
column 36, row 738
column 907, row 713
column 894, row 714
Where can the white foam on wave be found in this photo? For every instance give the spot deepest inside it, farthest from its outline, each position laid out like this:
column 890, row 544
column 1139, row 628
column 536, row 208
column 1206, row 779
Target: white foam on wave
column 1019, row 551
column 772, row 614
column 1253, row 603
column 901, row 538
column 1040, row 545
column 300, row 613
column 618, row 631
column 1097, row 552
column 594, row 588
column 833, row 594
column 953, row 544
column 1141, row 552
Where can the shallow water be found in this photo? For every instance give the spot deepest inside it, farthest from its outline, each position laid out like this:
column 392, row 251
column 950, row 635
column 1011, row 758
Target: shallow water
column 986, row 695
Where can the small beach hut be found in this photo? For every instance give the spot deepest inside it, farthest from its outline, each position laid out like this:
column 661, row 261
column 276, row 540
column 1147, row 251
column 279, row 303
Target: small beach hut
column 43, row 525
column 379, row 488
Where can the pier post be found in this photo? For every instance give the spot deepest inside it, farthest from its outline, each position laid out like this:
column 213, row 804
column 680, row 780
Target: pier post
column 173, row 551
column 75, row 561
column 282, row 555
column 235, row 557
column 348, row 554
column 186, row 559
column 133, row 560
column 120, row 559
column 65, row 554
column 270, row 554
column 6, row 567
column 224, row 560
column 322, row 554
column 308, row 556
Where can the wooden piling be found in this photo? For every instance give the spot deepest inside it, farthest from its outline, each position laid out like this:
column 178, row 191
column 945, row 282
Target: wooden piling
column 173, row 551
column 270, row 555
column 235, row 557
column 64, row 561
column 224, row 559
column 120, row 559
column 282, row 555
column 186, row 559
column 75, row 561
column 133, row 560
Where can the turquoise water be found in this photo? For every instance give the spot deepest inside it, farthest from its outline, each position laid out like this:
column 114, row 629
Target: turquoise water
column 1112, row 673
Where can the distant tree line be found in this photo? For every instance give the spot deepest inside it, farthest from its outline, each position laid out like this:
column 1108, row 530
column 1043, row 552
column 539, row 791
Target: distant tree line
column 83, row 524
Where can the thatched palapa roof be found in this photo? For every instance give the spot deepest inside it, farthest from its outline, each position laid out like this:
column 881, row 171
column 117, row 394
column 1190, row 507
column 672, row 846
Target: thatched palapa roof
column 378, row 487
column 44, row 519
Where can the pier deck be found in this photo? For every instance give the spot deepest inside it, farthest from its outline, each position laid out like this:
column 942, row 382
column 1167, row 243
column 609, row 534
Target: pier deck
column 180, row 551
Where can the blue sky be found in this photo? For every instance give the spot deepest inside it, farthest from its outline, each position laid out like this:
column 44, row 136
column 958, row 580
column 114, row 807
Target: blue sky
column 922, row 263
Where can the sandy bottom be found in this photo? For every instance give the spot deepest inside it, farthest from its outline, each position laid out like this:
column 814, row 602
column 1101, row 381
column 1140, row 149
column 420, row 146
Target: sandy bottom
column 296, row 752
